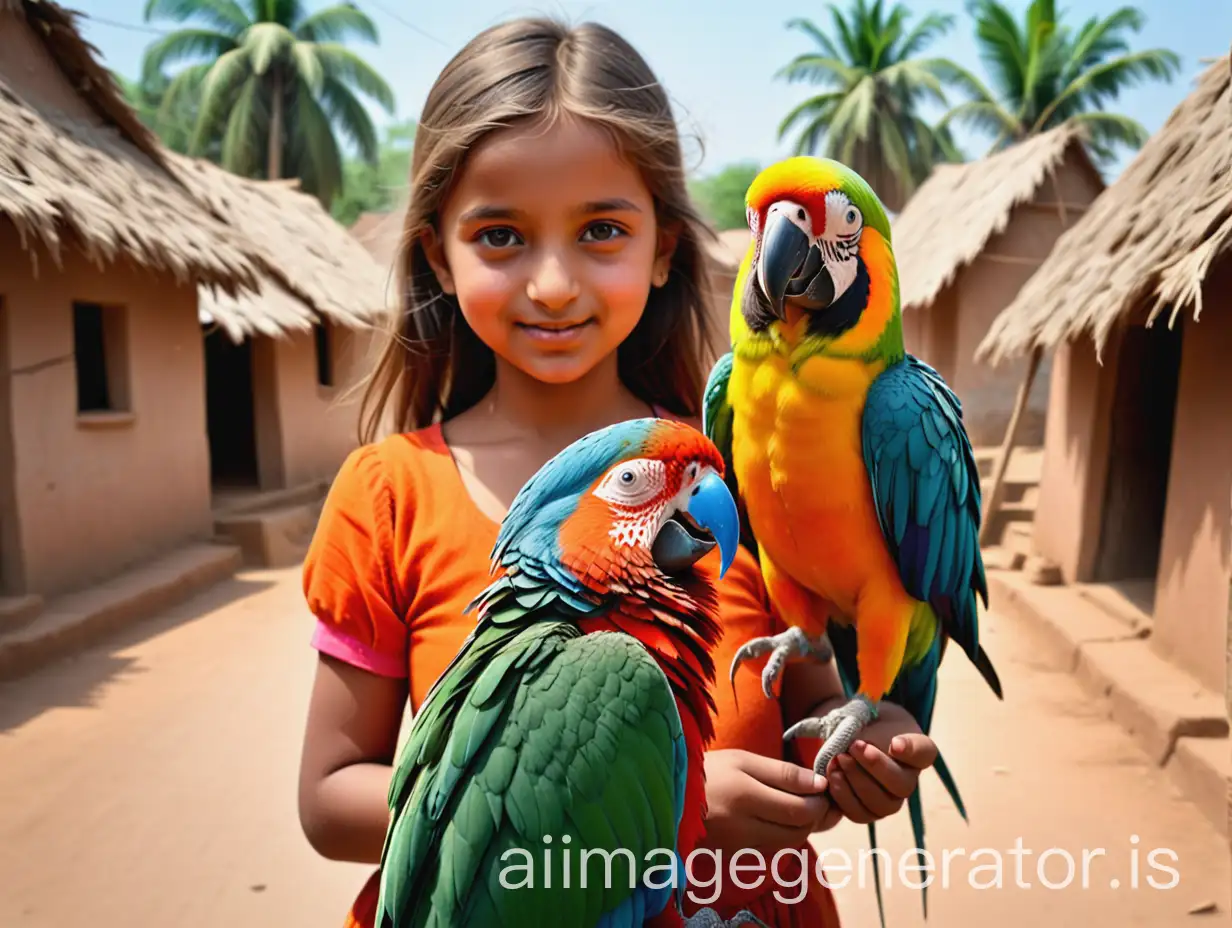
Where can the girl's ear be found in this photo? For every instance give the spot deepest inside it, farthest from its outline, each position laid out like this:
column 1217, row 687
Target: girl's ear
column 668, row 239
column 435, row 253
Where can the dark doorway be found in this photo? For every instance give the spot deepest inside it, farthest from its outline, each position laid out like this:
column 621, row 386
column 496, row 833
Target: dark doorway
column 1140, row 453
column 229, row 411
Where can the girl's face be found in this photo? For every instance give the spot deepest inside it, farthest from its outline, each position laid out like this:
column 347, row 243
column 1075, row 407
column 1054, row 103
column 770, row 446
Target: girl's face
column 550, row 243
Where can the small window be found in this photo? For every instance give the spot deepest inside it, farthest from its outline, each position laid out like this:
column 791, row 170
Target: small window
column 324, row 332
column 100, row 355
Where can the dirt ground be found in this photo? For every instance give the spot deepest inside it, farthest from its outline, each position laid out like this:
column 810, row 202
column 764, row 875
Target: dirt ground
column 151, row 781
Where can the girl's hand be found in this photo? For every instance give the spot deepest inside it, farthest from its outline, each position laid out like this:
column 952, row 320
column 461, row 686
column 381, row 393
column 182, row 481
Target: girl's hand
column 881, row 771
column 763, row 803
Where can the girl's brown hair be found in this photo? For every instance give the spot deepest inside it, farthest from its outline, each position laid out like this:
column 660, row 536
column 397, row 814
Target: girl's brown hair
column 433, row 366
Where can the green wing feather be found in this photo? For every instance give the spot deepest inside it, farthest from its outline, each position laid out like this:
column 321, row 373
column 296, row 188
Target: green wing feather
column 535, row 729
column 717, row 424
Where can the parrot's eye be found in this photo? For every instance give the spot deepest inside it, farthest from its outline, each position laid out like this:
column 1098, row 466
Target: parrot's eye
column 633, row 483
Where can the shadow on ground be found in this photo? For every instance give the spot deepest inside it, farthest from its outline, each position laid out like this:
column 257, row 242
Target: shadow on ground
column 78, row 680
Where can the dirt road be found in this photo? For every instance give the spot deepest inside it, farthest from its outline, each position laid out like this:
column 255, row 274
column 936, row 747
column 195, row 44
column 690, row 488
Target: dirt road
column 152, row 782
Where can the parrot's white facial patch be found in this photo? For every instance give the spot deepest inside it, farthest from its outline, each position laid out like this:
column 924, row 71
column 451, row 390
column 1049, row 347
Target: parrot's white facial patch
column 794, row 213
column 839, row 243
column 631, row 489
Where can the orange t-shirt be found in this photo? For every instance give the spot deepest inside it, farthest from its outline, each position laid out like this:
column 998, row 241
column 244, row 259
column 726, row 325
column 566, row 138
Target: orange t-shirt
column 401, row 549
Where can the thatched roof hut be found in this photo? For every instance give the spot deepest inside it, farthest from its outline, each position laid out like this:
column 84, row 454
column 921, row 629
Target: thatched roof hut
column 82, row 165
column 1151, row 237
column 85, row 167
column 958, row 210
column 112, row 249
column 1138, row 453
column 966, row 242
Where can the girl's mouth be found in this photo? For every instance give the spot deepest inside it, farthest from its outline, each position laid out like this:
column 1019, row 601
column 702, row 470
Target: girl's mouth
column 555, row 332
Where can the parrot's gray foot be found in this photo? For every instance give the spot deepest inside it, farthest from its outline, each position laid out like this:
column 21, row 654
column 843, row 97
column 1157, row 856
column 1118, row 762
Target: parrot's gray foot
column 839, row 727
column 791, row 643
column 709, row 918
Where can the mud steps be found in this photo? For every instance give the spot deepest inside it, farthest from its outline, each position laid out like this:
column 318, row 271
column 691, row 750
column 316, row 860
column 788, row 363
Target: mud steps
column 272, row 529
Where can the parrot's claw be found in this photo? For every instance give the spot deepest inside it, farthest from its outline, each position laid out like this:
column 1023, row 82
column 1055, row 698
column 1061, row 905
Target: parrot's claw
column 789, row 644
column 839, row 728
column 709, row 918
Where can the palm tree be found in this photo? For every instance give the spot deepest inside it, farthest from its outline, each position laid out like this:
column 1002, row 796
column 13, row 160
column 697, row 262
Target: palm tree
column 276, row 81
column 173, row 128
column 1045, row 74
column 868, row 117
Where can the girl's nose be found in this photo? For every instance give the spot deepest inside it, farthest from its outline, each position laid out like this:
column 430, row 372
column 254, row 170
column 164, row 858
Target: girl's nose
column 551, row 284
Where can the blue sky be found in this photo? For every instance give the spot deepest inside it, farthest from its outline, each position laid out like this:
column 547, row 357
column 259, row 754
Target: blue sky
column 718, row 65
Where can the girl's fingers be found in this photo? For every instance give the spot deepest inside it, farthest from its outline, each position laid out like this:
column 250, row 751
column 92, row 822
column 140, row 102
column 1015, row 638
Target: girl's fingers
column 783, row 776
column 784, row 809
column 897, row 780
column 874, row 801
column 846, row 801
column 914, row 749
column 760, row 834
column 833, row 816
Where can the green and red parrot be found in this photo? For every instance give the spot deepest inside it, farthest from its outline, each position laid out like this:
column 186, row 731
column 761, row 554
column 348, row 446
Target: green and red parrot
column 854, row 471
column 558, row 760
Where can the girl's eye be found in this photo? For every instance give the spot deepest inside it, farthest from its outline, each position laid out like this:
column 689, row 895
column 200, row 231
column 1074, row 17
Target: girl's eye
column 603, row 232
column 498, row 238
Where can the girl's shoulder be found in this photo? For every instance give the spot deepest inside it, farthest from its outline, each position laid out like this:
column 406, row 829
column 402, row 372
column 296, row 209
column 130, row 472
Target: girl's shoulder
column 398, row 468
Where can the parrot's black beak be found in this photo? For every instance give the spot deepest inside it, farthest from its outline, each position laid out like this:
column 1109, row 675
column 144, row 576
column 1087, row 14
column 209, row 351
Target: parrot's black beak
column 790, row 270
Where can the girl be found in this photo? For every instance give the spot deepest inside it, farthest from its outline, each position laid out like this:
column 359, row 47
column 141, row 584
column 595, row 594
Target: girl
column 553, row 281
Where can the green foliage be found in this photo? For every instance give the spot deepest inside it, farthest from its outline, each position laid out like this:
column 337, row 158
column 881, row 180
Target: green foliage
column 381, row 187
column 875, row 85
column 720, row 196
column 1044, row 73
column 174, row 125
column 272, row 86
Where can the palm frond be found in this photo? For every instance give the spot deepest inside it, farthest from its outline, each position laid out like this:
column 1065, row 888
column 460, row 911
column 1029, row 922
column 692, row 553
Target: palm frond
column 225, row 16
column 343, row 65
column 242, row 140
column 928, row 30
column 1099, row 38
column 811, row 108
column 986, row 115
column 1002, row 47
column 1110, row 129
column 314, row 149
column 183, row 44
column 1109, row 78
column 266, row 43
column 823, row 41
column 337, row 24
column 347, row 113
column 308, row 67
column 819, row 69
column 218, row 90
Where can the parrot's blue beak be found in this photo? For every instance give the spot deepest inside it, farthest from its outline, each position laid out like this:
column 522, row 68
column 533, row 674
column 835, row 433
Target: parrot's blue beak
column 711, row 517
column 712, row 505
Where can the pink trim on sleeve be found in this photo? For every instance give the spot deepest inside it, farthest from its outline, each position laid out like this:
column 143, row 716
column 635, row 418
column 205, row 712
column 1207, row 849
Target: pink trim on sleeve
column 329, row 640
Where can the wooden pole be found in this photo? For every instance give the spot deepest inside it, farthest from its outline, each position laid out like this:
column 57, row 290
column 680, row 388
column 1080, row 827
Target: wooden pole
column 997, row 491
column 1007, row 445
